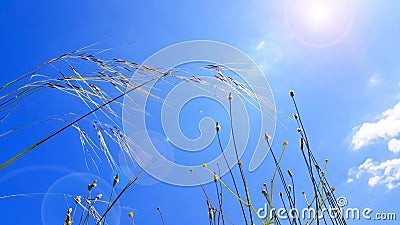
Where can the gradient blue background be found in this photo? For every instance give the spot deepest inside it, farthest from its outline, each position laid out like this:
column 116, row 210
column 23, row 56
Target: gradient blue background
column 333, row 87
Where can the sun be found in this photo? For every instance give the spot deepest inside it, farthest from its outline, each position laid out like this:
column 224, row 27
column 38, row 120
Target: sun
column 319, row 15
column 319, row 23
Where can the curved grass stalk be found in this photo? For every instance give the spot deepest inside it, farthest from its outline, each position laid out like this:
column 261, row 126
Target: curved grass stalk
column 2, row 166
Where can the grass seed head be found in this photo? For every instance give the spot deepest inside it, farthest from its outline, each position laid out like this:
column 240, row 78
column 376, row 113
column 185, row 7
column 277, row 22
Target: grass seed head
column 333, row 188
column 299, row 129
column 210, row 213
column 116, row 180
column 92, row 185
column 215, row 177
column 130, row 214
column 301, row 143
column 240, row 163
column 230, row 96
column 291, row 93
column 217, row 127
column 99, row 196
column 264, row 192
column 68, row 218
column 78, row 199
column 295, row 116
column 285, row 143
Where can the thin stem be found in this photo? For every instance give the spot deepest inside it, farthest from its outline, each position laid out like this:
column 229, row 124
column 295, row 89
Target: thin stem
column 237, row 158
column 309, row 163
column 120, row 194
column 109, row 202
column 162, row 219
column 233, row 178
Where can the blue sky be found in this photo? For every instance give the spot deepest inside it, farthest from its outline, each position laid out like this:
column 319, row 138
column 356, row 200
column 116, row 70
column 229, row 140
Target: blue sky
column 343, row 68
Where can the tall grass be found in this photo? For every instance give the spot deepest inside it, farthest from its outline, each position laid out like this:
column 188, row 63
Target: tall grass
column 101, row 87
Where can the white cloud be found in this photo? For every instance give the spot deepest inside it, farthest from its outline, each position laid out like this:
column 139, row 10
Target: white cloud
column 380, row 173
column 260, row 45
column 373, row 181
column 374, row 80
column 387, row 127
column 394, row 145
column 350, row 180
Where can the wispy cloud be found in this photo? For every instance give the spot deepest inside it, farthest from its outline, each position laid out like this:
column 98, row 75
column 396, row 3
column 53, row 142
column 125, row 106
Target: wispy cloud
column 380, row 173
column 260, row 45
column 385, row 128
column 374, row 80
column 270, row 48
column 268, row 53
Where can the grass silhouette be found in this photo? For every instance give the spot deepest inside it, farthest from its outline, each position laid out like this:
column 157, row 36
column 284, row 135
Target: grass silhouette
column 102, row 85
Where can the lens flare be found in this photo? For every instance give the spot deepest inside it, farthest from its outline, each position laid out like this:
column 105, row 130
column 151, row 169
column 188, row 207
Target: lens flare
column 319, row 23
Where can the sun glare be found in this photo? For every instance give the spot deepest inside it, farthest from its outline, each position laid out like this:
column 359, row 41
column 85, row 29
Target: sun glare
column 319, row 15
column 319, row 23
